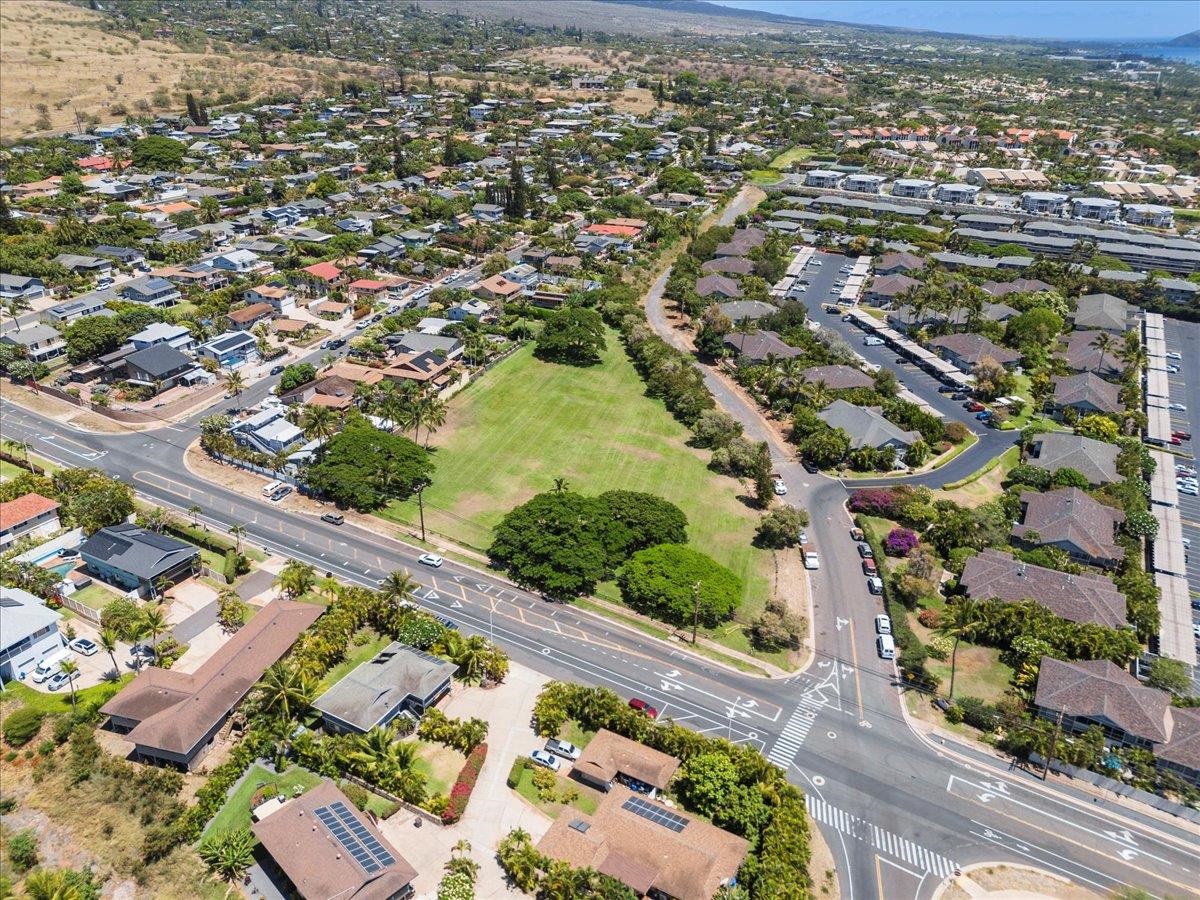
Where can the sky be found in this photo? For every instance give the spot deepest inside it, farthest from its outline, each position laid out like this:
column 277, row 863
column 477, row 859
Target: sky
column 1063, row 19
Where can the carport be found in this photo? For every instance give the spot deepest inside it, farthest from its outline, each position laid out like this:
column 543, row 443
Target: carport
column 1169, row 557
column 1157, row 384
column 1163, row 489
column 1175, row 638
column 1158, row 423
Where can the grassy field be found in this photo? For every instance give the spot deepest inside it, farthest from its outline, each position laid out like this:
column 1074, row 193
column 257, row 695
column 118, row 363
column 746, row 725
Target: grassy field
column 95, row 596
column 59, row 59
column 528, row 422
column 236, row 811
column 985, row 483
column 794, row 155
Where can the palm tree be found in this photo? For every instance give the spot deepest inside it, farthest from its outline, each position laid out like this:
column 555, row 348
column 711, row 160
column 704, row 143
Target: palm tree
column 14, row 306
column 330, row 587
column 381, row 755
column 70, row 668
column 108, row 642
column 389, row 403
column 237, row 531
column 136, row 633
column 155, row 624
column 364, row 394
column 319, row 422
column 285, row 692
column 560, row 485
column 961, row 620
column 466, row 653
column 297, row 578
column 229, row 854
column 1102, row 342
column 396, row 587
column 236, row 383
column 194, row 511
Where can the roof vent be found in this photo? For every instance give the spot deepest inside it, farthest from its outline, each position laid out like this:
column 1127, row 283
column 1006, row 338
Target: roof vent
column 581, row 826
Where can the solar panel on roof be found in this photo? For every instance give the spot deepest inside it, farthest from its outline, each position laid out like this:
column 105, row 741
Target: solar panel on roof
column 349, row 841
column 359, row 830
column 660, row 815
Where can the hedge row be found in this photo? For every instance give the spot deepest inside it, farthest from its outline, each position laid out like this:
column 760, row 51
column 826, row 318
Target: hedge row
column 461, row 792
column 207, row 539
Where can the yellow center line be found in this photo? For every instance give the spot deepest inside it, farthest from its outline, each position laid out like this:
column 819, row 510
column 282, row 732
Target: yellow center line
column 854, row 654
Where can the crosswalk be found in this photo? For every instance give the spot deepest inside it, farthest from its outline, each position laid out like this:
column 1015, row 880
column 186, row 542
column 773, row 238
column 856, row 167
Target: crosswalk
column 882, row 840
column 796, row 730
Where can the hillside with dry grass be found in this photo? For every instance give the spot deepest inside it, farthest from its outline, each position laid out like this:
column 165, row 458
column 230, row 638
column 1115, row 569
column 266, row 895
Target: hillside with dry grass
column 60, row 60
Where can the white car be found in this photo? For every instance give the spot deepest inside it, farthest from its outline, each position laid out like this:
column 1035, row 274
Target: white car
column 430, row 559
column 1177, row 407
column 883, row 624
column 1174, row 354
column 544, row 758
column 84, row 646
column 811, row 560
column 780, row 489
column 1190, row 490
column 873, row 342
column 1173, row 370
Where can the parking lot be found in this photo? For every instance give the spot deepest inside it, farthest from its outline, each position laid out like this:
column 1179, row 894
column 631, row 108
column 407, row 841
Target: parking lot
column 1184, row 338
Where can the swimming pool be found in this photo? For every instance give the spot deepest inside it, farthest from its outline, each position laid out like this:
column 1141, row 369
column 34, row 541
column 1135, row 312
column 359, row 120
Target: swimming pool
column 63, row 569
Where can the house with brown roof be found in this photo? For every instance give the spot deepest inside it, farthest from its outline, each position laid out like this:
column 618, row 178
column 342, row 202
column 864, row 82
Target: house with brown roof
column 332, row 391
column 884, row 289
column 1085, row 393
column 838, row 377
column 1016, row 286
column 656, row 851
column 966, row 351
column 248, row 316
column 1084, row 353
column 1074, row 522
column 172, row 717
column 898, row 264
column 758, row 346
column 426, row 367
column 278, row 296
column 1090, row 598
column 291, row 328
column 497, row 288
column 728, row 265
column 319, row 846
column 610, row 758
column 718, row 286
column 1095, row 460
column 1102, row 312
column 30, row 515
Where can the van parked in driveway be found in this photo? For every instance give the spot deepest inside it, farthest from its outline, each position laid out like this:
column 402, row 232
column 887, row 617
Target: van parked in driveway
column 48, row 665
column 885, row 646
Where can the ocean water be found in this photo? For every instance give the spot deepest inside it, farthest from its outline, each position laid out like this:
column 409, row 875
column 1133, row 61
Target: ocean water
column 1189, row 55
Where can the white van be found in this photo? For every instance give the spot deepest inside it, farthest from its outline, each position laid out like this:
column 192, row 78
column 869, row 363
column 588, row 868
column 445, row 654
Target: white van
column 49, row 664
column 885, row 646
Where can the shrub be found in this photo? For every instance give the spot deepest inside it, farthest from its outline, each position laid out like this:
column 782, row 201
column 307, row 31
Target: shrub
column 900, row 542
column 357, row 794
column 940, row 646
column 978, row 713
column 930, row 618
column 954, row 714
column 120, row 615
column 661, row 582
column 460, row 794
column 231, row 566
column 520, row 764
column 21, row 725
column 23, row 850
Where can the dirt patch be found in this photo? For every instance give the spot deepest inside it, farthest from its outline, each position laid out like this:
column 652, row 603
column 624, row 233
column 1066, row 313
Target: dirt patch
column 822, row 869
column 981, row 881
column 60, row 60
column 68, row 413
column 793, row 587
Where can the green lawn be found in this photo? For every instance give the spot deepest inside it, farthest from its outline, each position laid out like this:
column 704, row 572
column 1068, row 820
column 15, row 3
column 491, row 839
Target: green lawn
column 794, row 155
column 60, row 701
column 585, row 802
column 95, row 596
column 528, row 422
column 354, row 657
column 8, row 470
column 236, row 811
column 439, row 765
column 574, row 733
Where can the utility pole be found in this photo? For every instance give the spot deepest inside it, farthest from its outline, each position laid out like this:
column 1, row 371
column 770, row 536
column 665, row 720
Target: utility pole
column 695, row 610
column 421, row 507
column 1053, row 743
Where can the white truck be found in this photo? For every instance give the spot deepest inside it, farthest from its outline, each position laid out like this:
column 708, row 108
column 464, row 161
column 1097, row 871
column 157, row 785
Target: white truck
column 48, row 665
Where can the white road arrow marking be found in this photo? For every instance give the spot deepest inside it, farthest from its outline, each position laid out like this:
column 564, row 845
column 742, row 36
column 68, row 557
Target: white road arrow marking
column 433, row 595
column 456, row 605
column 842, row 623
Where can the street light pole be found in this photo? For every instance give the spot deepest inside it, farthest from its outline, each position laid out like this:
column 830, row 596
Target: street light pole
column 1053, row 743
column 421, row 507
column 695, row 610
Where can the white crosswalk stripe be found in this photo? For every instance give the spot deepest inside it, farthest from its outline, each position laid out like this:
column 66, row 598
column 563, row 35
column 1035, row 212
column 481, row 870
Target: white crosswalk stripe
column 884, row 841
column 796, row 730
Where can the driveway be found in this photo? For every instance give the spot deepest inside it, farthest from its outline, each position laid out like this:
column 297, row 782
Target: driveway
column 494, row 810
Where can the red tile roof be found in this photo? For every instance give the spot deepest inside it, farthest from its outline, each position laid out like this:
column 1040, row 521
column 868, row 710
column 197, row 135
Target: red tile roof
column 325, row 271
column 17, row 512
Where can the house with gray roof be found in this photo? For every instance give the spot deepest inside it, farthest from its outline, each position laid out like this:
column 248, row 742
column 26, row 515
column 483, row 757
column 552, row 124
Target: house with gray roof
column 137, row 559
column 866, row 426
column 741, row 310
column 900, row 263
column 718, row 286
column 885, row 289
column 415, row 342
column 838, row 377
column 1086, row 393
column 398, row 680
column 966, row 351
column 1087, row 598
column 30, row 632
column 758, row 346
column 1101, row 312
column 1095, row 460
column 40, row 343
column 160, row 365
column 1072, row 521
